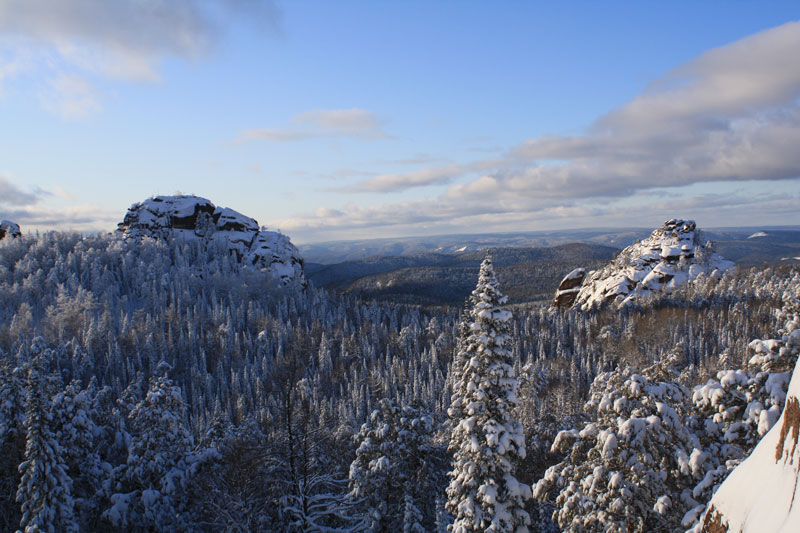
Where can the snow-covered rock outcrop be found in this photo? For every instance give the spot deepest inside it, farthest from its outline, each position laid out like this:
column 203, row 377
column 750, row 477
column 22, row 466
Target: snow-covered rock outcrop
column 672, row 255
column 569, row 287
column 762, row 494
column 192, row 217
column 9, row 230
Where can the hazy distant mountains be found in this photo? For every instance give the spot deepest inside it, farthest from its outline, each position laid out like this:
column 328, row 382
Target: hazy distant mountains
column 780, row 242
column 526, row 274
column 442, row 269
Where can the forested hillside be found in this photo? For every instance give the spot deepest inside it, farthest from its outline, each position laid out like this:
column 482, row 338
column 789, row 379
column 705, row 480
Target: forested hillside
column 527, row 274
column 166, row 386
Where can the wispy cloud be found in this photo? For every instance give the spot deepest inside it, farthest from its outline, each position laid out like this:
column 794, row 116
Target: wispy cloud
column 70, row 97
column 730, row 115
column 417, row 159
column 122, row 39
column 11, row 195
column 272, row 135
column 358, row 123
column 408, row 180
column 44, row 209
column 83, row 217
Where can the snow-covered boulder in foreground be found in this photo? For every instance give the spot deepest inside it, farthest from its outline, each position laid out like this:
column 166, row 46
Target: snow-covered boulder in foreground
column 191, row 217
column 9, row 229
column 762, row 495
column 672, row 255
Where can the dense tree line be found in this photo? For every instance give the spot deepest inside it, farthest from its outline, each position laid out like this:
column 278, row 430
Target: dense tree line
column 169, row 387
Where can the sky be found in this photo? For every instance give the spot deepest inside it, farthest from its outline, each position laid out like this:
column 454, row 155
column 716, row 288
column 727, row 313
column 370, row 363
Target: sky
column 350, row 120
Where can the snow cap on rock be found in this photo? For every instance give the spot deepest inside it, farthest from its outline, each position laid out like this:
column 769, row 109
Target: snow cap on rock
column 672, row 255
column 192, row 217
column 9, row 229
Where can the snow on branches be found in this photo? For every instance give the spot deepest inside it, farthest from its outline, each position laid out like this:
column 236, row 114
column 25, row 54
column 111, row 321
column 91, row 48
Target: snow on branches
column 486, row 440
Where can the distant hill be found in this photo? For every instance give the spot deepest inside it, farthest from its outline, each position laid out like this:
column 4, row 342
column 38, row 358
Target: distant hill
column 357, row 250
column 526, row 274
column 442, row 269
column 778, row 238
column 774, row 247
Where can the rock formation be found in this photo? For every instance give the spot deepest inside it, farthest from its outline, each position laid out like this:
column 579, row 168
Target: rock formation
column 9, row 230
column 668, row 258
column 192, row 217
column 568, row 288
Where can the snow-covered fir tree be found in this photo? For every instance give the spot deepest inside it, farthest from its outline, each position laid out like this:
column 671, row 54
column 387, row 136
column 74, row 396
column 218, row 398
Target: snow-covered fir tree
column 152, row 481
column 412, row 516
column 486, row 439
column 630, row 467
column 74, row 412
column 392, row 469
column 45, row 489
column 12, row 441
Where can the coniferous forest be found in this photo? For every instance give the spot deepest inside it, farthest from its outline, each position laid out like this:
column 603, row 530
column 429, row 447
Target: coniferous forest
column 164, row 386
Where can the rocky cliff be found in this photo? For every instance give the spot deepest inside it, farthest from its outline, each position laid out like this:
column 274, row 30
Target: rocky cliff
column 668, row 258
column 193, row 217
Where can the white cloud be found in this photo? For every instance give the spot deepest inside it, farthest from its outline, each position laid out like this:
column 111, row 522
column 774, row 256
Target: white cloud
column 358, row 123
column 11, row 195
column 84, row 217
column 353, row 122
column 70, row 97
column 730, row 115
column 120, row 39
column 271, row 135
column 401, row 182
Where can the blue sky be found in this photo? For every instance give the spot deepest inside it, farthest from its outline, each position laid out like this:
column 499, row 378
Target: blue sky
column 336, row 120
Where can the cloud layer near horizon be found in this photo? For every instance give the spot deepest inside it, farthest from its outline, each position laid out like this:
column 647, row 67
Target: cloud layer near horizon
column 27, row 209
column 729, row 115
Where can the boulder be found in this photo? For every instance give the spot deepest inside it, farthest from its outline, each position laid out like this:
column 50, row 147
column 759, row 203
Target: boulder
column 9, row 230
column 568, row 288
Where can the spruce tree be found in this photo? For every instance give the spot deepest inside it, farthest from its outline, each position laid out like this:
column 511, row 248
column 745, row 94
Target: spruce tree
column 153, row 480
column 483, row 494
column 45, row 488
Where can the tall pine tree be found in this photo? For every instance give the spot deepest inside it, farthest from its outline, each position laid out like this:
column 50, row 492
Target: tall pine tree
column 483, row 494
column 45, row 488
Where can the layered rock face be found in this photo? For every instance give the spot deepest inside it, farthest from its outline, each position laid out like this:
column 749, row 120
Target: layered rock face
column 9, row 230
column 668, row 258
column 192, row 217
column 568, row 288
column 762, row 494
